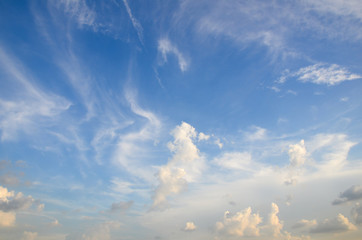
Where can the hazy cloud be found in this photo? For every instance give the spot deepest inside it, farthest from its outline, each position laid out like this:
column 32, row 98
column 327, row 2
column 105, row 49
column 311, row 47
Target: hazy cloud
column 258, row 133
column 98, row 232
column 7, row 219
column 351, row 194
column 29, row 235
column 356, row 213
column 9, row 201
column 235, row 160
column 121, row 206
column 136, row 24
column 338, row 224
column 305, row 224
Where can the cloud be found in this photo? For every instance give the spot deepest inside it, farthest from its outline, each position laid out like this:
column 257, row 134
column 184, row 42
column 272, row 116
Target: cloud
column 165, row 47
column 29, row 106
column 9, row 201
column 79, row 11
column 136, row 24
column 242, row 223
column 259, row 133
column 190, row 226
column 29, row 235
column 235, row 160
column 356, row 213
column 297, row 154
column 98, row 232
column 185, row 165
column 305, row 224
column 351, row 194
column 321, row 73
column 203, row 137
column 121, row 206
column 274, row 225
column 7, row 219
column 335, row 225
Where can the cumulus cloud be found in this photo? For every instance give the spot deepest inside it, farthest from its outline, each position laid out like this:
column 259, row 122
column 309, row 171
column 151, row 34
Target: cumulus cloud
column 275, row 225
column 351, row 194
column 297, row 154
column 121, row 206
column 335, row 225
column 190, row 226
column 234, row 160
column 9, row 201
column 29, row 235
column 356, row 213
column 165, row 47
column 185, row 165
column 328, row 74
column 243, row 223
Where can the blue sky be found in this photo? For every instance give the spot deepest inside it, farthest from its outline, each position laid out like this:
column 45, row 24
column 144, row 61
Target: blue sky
column 180, row 120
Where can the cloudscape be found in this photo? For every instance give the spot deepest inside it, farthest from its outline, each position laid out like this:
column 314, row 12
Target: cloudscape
column 223, row 120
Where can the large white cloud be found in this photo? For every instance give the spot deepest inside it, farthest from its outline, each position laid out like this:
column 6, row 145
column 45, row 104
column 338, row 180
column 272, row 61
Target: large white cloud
column 185, row 165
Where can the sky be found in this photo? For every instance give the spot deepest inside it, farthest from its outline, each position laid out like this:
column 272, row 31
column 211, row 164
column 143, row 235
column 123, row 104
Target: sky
column 223, row 120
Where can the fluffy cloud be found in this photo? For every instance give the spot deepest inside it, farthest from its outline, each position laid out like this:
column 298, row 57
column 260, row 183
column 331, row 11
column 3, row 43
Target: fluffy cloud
column 275, row 225
column 190, row 226
column 234, row 160
column 338, row 224
column 11, row 202
column 185, row 165
column 351, row 194
column 29, row 235
column 332, row 74
column 240, row 224
column 165, row 47
column 356, row 213
column 297, row 154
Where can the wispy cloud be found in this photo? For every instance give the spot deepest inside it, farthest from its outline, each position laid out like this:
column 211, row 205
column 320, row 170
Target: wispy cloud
column 165, row 47
column 329, row 74
column 27, row 109
column 351, row 194
column 136, row 24
column 335, row 225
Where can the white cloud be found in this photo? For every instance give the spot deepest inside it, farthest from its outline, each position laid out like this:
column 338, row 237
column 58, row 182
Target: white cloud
column 29, row 235
column 203, row 137
column 136, row 24
column 185, row 165
column 351, row 194
column 190, row 226
column 240, row 224
column 356, row 213
column 235, row 160
column 335, row 225
column 165, row 47
column 79, row 10
column 329, row 74
column 297, row 154
column 258, row 133
column 274, row 224
column 219, row 143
